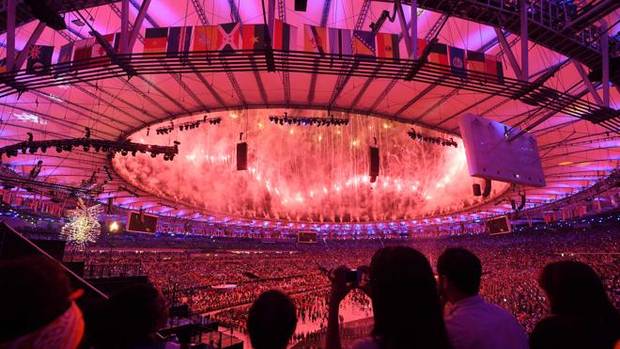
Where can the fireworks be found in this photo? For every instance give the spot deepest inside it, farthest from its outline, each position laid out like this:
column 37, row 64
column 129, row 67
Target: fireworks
column 83, row 226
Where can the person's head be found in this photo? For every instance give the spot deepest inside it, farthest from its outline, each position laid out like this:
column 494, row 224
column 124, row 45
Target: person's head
column 574, row 289
column 406, row 307
column 136, row 313
column 36, row 305
column 459, row 274
column 271, row 321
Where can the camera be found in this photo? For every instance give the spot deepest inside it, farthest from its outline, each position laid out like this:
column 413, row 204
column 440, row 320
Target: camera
column 357, row 277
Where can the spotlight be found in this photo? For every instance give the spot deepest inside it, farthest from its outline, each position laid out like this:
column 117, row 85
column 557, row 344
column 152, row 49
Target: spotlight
column 114, row 227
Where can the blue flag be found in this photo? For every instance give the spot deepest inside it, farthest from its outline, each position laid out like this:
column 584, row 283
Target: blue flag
column 457, row 62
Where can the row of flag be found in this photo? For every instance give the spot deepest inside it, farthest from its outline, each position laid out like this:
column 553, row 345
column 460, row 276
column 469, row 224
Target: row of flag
column 230, row 37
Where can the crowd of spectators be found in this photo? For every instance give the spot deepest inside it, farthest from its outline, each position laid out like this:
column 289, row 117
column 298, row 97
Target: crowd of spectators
column 224, row 283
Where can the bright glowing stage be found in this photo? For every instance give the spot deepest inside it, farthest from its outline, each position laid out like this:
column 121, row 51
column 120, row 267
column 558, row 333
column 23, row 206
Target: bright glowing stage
column 303, row 173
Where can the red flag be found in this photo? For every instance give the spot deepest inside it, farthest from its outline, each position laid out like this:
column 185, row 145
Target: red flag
column 155, row 40
column 284, row 36
column 439, row 54
column 224, row 37
column 315, row 39
column 253, row 36
column 387, row 46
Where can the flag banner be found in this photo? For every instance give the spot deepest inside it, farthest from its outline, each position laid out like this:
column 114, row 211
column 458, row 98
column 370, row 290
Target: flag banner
column 83, row 52
column 3, row 68
column 457, row 62
column 494, row 68
column 475, row 61
column 179, row 41
column 339, row 41
column 315, row 39
column 421, row 45
column 284, row 36
column 99, row 51
column 253, row 36
column 438, row 54
column 155, row 40
column 387, row 46
column 64, row 58
column 225, row 38
column 363, row 43
column 39, row 60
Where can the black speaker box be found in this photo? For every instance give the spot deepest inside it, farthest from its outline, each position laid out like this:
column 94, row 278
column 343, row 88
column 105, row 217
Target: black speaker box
column 374, row 163
column 477, row 189
column 242, row 156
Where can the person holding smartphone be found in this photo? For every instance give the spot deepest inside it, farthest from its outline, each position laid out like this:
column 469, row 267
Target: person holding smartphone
column 405, row 301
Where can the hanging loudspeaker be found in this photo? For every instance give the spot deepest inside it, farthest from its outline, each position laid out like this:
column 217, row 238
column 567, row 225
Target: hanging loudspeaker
column 110, row 203
column 242, row 156
column 374, row 164
column 477, row 189
column 301, row 5
column 487, row 188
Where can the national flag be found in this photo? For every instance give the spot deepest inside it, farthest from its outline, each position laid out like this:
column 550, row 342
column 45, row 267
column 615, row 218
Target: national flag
column 388, row 46
column 421, row 45
column 315, row 39
column 494, row 68
column 155, row 40
column 83, row 52
column 3, row 67
column 64, row 58
column 475, row 62
column 363, row 43
column 457, row 62
column 284, row 36
column 224, row 37
column 339, row 41
column 179, row 41
column 253, row 37
column 438, row 54
column 100, row 51
column 39, row 59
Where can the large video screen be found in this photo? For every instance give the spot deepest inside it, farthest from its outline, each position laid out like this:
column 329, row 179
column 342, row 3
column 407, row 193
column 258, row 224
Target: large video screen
column 499, row 225
column 141, row 223
column 492, row 153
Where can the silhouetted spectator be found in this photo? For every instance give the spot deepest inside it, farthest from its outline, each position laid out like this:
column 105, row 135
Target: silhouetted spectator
column 37, row 308
column 472, row 323
column 405, row 302
column 271, row 321
column 132, row 318
column 581, row 314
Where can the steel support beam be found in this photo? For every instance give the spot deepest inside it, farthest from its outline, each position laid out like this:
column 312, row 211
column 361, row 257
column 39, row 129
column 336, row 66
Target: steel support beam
column 403, row 27
column 10, row 33
column 587, row 82
column 413, row 36
column 523, row 7
column 271, row 15
column 124, row 27
column 138, row 25
column 508, row 52
column 23, row 55
column 325, row 12
column 605, row 62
